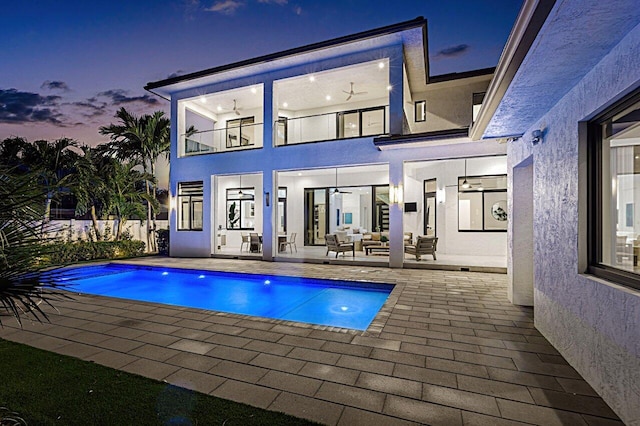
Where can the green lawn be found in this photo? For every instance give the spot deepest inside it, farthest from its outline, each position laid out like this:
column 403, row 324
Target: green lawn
column 46, row 388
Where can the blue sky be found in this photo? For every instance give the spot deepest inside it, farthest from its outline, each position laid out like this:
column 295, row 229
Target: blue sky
column 67, row 66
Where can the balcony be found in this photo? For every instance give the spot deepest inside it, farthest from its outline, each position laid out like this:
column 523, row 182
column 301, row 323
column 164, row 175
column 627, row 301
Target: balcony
column 237, row 137
column 372, row 121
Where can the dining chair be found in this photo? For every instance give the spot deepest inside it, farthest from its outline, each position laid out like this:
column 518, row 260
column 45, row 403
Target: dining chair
column 291, row 243
column 245, row 240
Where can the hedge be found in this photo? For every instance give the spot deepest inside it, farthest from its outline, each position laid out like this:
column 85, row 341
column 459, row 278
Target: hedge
column 79, row 251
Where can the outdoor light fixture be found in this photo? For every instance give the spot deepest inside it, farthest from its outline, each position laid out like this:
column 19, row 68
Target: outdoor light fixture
column 266, row 198
column 536, row 137
column 465, row 183
column 240, row 192
column 396, row 195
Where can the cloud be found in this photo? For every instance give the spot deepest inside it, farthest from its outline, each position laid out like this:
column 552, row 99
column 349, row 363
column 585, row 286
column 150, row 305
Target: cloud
column 297, row 10
column 121, row 97
column 453, row 51
column 176, row 74
column 280, row 2
column 28, row 107
column 55, row 85
column 226, row 7
column 91, row 108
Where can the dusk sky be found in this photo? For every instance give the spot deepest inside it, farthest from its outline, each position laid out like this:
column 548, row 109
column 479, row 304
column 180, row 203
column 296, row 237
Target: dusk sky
column 67, row 66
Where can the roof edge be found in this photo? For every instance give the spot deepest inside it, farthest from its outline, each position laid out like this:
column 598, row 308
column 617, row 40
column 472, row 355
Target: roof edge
column 460, row 75
column 532, row 16
column 420, row 21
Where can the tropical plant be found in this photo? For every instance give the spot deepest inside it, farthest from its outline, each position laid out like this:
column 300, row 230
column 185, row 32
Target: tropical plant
column 52, row 163
column 141, row 140
column 22, row 250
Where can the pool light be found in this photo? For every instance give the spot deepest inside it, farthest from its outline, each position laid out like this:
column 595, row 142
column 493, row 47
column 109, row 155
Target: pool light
column 267, row 282
column 165, row 273
column 200, row 276
column 344, row 308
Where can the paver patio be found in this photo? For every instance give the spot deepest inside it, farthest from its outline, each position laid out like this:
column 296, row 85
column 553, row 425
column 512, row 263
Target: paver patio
column 446, row 349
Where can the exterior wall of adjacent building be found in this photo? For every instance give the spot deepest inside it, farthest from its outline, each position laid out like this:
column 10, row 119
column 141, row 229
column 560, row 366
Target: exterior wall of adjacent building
column 594, row 324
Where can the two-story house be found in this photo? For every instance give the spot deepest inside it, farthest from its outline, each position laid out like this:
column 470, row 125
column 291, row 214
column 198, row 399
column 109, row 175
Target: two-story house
column 350, row 136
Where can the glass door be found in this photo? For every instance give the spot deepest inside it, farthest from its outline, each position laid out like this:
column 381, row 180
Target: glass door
column 315, row 217
column 381, row 208
column 430, row 189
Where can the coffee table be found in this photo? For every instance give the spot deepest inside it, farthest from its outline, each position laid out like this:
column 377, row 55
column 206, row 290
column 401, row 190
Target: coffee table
column 373, row 249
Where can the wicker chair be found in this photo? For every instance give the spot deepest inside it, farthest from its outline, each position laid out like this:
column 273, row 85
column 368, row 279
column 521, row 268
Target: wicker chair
column 334, row 245
column 424, row 245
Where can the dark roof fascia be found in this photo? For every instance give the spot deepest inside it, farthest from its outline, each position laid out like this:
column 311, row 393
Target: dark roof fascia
column 460, row 75
column 390, row 29
column 382, row 141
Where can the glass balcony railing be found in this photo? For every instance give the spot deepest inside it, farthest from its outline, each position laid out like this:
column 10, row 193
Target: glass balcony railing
column 233, row 138
column 331, row 126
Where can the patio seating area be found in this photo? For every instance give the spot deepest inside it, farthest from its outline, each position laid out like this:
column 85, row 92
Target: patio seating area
column 447, row 348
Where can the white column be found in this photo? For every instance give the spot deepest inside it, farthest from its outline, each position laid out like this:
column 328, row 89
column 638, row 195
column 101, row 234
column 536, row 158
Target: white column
column 268, row 178
column 520, row 285
column 396, row 226
column 396, row 95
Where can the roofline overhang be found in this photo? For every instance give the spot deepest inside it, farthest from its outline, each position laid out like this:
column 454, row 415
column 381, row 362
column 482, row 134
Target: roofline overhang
column 386, row 142
column 461, row 75
column 532, row 16
column 364, row 35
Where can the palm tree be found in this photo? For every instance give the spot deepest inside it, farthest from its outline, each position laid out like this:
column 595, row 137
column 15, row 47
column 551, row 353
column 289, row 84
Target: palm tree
column 22, row 250
column 52, row 163
column 124, row 192
column 141, row 140
column 88, row 184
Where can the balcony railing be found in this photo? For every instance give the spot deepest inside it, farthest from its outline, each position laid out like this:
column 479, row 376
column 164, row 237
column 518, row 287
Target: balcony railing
column 331, row 126
column 234, row 138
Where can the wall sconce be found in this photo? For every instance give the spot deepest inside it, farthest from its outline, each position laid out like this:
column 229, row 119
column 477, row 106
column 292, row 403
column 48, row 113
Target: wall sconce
column 441, row 195
column 266, row 198
column 536, row 137
column 396, row 194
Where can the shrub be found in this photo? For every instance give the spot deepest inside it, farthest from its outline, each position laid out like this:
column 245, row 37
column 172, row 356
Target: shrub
column 72, row 252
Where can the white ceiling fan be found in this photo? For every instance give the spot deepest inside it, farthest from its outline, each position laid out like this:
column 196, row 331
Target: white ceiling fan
column 352, row 93
column 235, row 109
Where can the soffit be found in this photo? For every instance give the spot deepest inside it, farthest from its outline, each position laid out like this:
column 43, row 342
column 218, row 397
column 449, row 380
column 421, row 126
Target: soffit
column 576, row 35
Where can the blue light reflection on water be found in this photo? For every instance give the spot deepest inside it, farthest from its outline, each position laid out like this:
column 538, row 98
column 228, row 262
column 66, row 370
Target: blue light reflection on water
column 323, row 302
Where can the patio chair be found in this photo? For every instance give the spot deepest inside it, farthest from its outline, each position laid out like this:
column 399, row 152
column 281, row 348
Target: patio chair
column 334, row 245
column 424, row 245
column 245, row 240
column 255, row 243
column 291, row 243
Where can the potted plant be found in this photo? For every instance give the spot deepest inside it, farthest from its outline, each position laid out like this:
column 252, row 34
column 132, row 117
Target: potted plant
column 384, row 240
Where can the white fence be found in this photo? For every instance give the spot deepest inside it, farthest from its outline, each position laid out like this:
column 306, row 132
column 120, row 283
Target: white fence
column 79, row 230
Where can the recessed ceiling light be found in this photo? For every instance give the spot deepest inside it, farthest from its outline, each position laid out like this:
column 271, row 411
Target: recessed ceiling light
column 328, row 97
column 380, row 65
column 253, row 90
column 312, row 78
column 389, row 87
column 203, row 99
column 299, row 174
column 284, row 104
column 637, row 157
column 219, row 108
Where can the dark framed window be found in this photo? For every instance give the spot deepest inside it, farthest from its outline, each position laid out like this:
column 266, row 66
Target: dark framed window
column 614, row 192
column 282, row 129
column 190, row 213
column 282, row 210
column 240, row 209
column 361, row 122
column 482, row 203
column 240, row 132
column 420, row 111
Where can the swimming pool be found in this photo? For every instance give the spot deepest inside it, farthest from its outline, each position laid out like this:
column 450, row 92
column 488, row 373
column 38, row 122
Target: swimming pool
column 346, row 304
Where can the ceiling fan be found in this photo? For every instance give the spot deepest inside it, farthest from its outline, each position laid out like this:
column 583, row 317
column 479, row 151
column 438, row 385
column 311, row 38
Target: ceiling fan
column 336, row 190
column 351, row 93
column 235, row 109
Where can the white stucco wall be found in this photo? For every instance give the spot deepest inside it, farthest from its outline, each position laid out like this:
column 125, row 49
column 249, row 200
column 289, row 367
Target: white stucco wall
column 594, row 324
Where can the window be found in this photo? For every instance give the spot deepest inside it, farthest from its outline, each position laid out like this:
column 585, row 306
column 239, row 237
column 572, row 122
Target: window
column 364, row 122
column 478, row 98
column 281, row 131
column 482, row 203
column 240, row 132
column 614, row 189
column 420, row 111
column 190, row 195
column 241, row 208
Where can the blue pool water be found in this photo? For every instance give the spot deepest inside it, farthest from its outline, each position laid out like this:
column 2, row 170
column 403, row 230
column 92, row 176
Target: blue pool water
column 344, row 304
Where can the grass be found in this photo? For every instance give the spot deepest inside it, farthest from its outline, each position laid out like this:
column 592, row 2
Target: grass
column 45, row 388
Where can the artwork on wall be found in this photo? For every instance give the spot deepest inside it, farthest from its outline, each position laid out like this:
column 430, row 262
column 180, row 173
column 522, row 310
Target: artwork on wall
column 495, row 215
column 348, row 218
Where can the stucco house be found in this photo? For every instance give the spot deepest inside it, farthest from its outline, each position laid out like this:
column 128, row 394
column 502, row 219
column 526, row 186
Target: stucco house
column 528, row 169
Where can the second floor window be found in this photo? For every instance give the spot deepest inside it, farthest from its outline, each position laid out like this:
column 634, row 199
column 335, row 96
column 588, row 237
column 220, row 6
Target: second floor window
column 240, row 132
column 364, row 122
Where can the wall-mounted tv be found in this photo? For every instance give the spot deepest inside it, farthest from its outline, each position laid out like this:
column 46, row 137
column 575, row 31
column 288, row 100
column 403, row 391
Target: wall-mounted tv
column 410, row 207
